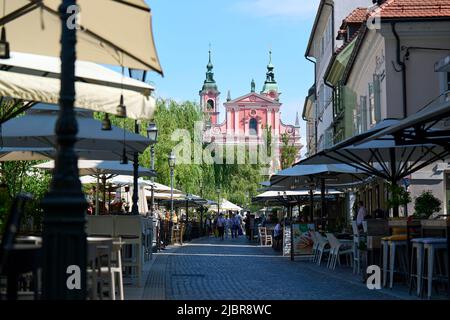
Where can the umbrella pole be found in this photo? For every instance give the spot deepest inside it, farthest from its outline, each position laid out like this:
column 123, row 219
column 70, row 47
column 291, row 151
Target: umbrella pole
column 311, row 205
column 96, row 195
column 322, row 197
column 135, row 197
column 292, row 232
column 109, row 199
column 104, row 193
column 64, row 246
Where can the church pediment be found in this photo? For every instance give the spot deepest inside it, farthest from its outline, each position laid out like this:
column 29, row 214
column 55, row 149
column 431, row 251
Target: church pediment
column 252, row 98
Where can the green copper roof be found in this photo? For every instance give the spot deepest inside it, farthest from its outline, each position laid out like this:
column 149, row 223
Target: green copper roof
column 270, row 84
column 210, row 83
column 340, row 63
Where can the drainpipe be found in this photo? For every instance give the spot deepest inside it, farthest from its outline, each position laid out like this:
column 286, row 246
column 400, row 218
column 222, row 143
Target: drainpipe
column 402, row 70
column 315, row 99
column 332, row 24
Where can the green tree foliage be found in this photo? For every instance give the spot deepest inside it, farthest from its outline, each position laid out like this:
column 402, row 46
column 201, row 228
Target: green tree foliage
column 398, row 196
column 426, row 204
column 288, row 152
column 20, row 176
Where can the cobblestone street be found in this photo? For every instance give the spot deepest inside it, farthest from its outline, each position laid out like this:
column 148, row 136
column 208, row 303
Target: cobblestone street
column 234, row 269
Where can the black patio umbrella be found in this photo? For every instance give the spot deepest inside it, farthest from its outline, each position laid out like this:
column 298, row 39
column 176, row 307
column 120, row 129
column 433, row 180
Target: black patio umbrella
column 381, row 157
column 303, row 175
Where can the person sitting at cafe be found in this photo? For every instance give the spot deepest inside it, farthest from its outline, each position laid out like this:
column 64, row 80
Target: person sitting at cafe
column 362, row 213
column 278, row 235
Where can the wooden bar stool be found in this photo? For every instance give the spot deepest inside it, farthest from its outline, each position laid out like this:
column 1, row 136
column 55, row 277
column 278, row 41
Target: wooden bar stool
column 430, row 247
column 390, row 246
column 417, row 248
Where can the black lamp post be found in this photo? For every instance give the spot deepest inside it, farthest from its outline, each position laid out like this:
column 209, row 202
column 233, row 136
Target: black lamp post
column 64, row 237
column 172, row 167
column 152, row 134
column 139, row 75
column 200, row 185
column 218, row 200
column 312, row 187
column 135, row 197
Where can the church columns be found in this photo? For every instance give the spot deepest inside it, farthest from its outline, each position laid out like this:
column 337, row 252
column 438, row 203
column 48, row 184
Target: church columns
column 236, row 122
column 228, row 121
column 277, row 122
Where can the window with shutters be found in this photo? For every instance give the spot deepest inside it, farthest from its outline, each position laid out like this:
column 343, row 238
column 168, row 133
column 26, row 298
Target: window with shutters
column 377, row 98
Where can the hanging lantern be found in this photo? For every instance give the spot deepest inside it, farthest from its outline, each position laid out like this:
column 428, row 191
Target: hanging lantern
column 124, row 159
column 4, row 45
column 121, row 108
column 106, row 123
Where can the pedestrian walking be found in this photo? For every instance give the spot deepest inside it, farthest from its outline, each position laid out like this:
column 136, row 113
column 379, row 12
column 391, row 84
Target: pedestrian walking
column 228, row 225
column 221, row 225
column 235, row 226
column 208, row 226
column 278, row 235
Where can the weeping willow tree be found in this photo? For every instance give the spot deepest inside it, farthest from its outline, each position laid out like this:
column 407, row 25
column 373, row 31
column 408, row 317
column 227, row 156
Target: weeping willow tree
column 193, row 174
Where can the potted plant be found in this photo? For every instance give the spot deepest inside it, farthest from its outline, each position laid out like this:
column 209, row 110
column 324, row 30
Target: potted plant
column 426, row 204
column 398, row 197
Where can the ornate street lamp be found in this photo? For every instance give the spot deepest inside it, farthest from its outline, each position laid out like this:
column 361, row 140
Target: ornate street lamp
column 64, row 241
column 152, row 134
column 121, row 110
column 171, row 166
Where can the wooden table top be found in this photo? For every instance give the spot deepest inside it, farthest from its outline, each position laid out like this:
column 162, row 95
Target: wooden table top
column 430, row 223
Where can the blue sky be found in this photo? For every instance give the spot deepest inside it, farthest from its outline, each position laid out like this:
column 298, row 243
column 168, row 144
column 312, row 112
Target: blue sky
column 241, row 32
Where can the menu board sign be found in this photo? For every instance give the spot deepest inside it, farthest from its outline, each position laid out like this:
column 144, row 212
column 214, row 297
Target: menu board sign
column 302, row 239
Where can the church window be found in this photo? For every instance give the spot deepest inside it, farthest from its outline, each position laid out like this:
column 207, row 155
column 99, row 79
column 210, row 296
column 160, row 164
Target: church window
column 210, row 104
column 253, row 126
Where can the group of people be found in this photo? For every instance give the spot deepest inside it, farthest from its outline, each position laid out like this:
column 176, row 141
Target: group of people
column 222, row 226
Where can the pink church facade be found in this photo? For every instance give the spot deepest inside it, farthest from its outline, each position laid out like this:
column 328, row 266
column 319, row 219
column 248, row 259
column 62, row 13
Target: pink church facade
column 248, row 117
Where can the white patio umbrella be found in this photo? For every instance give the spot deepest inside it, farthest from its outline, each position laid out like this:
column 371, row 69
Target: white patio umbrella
column 227, row 206
column 104, row 168
column 36, row 129
column 93, row 167
column 110, row 32
column 32, row 154
column 36, row 78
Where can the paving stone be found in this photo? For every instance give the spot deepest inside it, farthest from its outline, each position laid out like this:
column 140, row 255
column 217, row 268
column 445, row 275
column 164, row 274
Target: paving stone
column 211, row 269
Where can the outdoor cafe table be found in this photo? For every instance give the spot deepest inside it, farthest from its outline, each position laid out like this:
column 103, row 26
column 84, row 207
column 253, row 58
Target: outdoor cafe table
column 444, row 225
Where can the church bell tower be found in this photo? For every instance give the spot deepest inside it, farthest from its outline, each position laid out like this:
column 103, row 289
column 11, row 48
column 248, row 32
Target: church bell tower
column 209, row 95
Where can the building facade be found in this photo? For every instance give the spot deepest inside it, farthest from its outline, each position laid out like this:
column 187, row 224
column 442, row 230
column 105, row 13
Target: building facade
column 248, row 118
column 322, row 45
column 386, row 68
